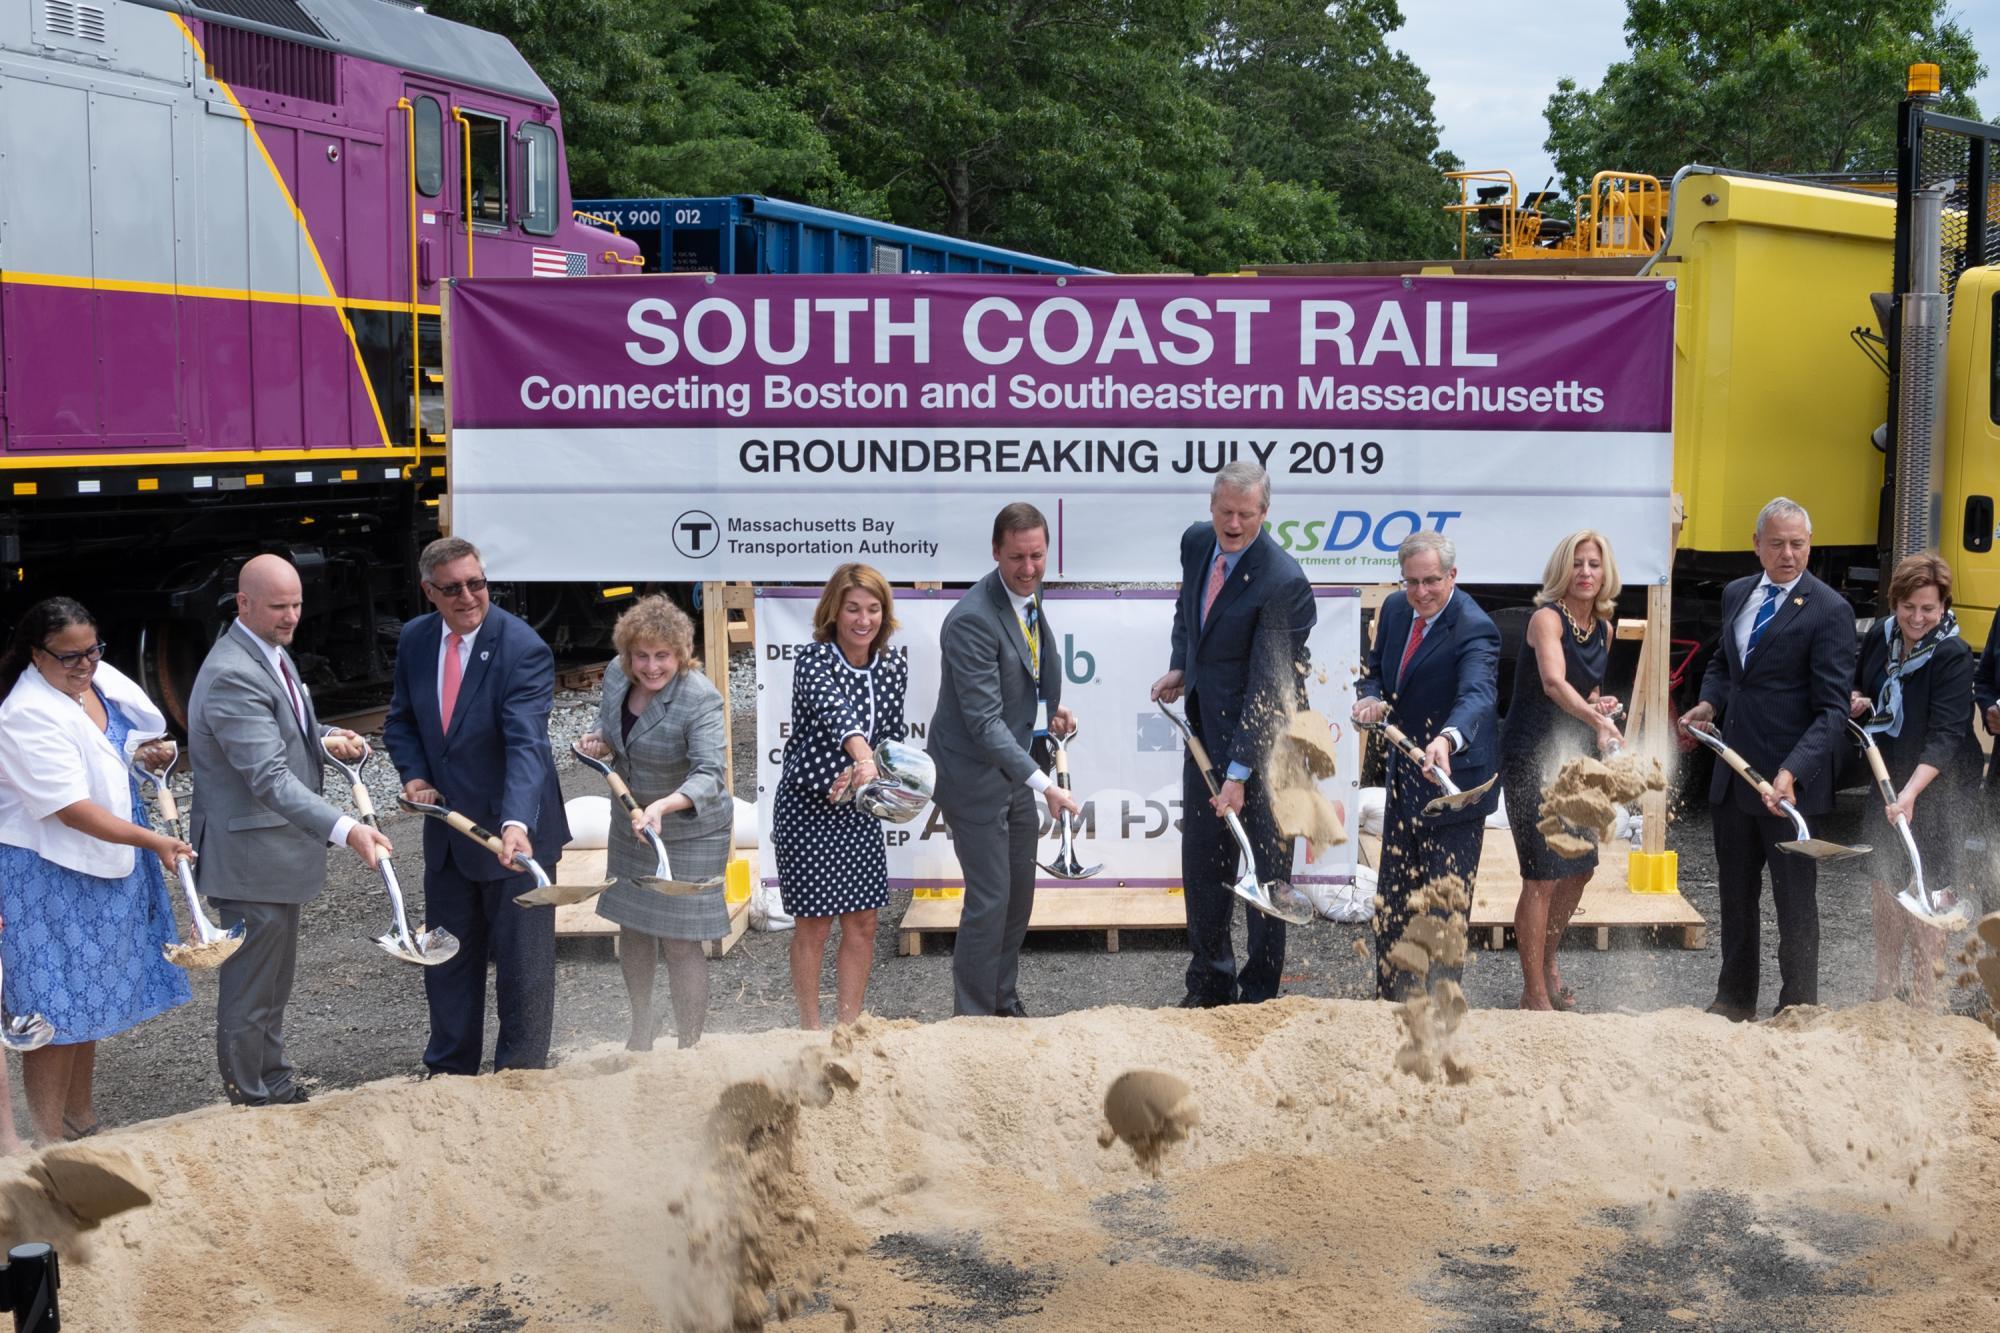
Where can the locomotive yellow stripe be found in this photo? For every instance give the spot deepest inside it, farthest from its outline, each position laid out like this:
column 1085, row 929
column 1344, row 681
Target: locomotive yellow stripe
column 195, row 460
column 213, row 293
column 312, row 247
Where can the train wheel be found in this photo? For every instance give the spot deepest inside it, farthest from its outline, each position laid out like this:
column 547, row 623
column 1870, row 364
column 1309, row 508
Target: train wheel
column 170, row 655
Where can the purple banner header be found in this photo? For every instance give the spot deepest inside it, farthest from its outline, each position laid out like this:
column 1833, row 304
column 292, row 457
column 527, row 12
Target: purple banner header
column 1412, row 353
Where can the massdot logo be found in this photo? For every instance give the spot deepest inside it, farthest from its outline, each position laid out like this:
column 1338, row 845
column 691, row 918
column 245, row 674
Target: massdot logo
column 696, row 535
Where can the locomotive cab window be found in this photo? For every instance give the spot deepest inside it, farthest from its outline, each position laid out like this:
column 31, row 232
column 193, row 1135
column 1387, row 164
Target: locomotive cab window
column 539, row 213
column 428, row 124
column 488, row 204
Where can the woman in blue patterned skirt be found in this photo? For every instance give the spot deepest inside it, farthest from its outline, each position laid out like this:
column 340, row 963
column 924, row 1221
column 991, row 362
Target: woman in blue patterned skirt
column 847, row 698
column 81, row 890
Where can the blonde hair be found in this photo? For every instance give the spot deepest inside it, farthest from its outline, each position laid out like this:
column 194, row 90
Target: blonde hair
column 854, row 577
column 1562, row 563
column 656, row 620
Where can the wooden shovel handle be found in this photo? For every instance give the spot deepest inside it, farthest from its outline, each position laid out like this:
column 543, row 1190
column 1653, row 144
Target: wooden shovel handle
column 1881, row 772
column 621, row 791
column 466, row 826
column 1743, row 769
column 170, row 809
column 1410, row 748
column 1062, row 769
column 363, row 802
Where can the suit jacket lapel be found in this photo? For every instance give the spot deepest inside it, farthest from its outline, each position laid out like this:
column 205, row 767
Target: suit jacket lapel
column 656, row 709
column 1010, row 624
column 1248, row 566
column 263, row 664
column 475, row 668
column 1789, row 609
column 428, row 643
column 1447, row 623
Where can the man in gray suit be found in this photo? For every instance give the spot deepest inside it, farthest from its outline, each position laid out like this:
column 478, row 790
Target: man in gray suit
column 1002, row 682
column 260, row 826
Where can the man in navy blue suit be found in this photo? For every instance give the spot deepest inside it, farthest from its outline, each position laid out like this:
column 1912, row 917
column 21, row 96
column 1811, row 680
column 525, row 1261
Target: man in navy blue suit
column 1435, row 661
column 1777, row 687
column 469, row 725
column 1239, row 649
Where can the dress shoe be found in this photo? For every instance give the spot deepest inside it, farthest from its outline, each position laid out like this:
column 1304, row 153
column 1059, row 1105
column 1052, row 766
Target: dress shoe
column 1201, row 1002
column 1732, row 1012
column 1014, row 1010
column 293, row 1096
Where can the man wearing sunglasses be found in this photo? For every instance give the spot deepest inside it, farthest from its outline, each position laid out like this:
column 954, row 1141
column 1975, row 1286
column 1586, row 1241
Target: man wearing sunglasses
column 261, row 825
column 1435, row 662
column 468, row 728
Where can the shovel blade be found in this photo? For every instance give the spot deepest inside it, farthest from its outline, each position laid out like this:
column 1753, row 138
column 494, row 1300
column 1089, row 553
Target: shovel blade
column 432, row 946
column 1819, row 849
column 560, row 895
column 1277, row 899
column 1956, row 917
column 1070, row 869
column 30, row 1032
column 674, row 888
column 1439, row 805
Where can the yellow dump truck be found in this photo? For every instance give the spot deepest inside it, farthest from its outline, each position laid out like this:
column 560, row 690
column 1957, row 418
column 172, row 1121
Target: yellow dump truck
column 1797, row 358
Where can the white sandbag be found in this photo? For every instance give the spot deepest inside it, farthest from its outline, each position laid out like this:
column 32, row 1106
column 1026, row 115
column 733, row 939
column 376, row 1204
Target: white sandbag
column 745, row 832
column 767, row 908
column 1350, row 903
column 1374, row 800
column 589, row 820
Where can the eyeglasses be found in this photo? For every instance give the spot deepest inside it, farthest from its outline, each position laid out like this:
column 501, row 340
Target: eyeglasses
column 473, row 586
column 1424, row 584
column 94, row 653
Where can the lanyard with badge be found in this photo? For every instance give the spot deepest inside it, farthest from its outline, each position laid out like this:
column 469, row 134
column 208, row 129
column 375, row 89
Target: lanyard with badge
column 1031, row 629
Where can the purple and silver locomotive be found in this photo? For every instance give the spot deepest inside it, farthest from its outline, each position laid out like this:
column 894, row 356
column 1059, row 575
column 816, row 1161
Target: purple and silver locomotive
column 225, row 230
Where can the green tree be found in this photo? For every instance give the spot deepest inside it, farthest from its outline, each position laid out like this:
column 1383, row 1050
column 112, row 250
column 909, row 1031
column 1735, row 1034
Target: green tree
column 1763, row 85
column 653, row 105
column 1314, row 95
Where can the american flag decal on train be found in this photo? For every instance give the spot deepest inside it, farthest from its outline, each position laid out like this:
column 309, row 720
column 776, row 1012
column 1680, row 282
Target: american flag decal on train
column 558, row 264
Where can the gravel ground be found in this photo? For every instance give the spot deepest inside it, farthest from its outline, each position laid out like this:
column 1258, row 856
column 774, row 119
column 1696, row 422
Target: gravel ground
column 358, row 1015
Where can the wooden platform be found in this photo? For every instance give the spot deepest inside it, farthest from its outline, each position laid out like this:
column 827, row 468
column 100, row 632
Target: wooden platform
column 585, row 865
column 1108, row 910
column 1607, row 904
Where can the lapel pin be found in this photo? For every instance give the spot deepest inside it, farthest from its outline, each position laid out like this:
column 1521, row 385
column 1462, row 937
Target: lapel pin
column 484, row 655
column 1798, row 601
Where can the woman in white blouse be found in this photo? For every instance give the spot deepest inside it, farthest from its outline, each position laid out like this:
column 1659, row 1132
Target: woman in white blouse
column 86, row 913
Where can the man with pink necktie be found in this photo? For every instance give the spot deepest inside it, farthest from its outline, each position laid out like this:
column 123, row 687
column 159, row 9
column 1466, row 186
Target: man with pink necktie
column 1239, row 652
column 469, row 726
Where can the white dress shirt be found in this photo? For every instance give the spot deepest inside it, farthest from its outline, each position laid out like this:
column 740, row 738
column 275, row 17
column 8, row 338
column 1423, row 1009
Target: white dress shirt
column 1430, row 623
column 274, row 655
column 1747, row 617
column 464, row 665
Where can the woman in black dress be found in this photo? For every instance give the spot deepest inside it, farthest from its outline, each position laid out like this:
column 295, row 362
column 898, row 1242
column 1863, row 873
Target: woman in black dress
column 1913, row 693
column 847, row 698
column 1558, row 712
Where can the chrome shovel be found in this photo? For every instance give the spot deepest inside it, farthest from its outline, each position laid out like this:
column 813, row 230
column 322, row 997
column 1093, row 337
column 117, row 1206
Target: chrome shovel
column 1915, row 899
column 482, row 836
column 1454, row 798
column 1819, row 849
column 212, row 944
column 24, row 1032
column 660, row 881
column 1273, row 897
column 426, row 946
column 1066, row 865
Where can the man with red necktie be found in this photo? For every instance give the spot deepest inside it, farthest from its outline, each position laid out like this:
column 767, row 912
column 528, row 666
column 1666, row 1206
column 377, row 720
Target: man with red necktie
column 1239, row 647
column 1436, row 661
column 469, row 726
column 260, row 824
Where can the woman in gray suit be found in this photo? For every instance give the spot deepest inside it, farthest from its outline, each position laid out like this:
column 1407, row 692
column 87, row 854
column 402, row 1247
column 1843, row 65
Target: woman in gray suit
column 660, row 725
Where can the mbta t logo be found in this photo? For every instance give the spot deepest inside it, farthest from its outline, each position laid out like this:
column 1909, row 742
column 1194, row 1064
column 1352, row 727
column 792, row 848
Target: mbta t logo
column 696, row 535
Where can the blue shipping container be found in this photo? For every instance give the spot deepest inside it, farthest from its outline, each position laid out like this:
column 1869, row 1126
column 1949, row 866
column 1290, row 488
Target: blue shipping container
column 747, row 233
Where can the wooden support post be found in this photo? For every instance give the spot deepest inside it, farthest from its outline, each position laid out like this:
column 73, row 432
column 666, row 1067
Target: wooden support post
column 1652, row 704
column 717, row 601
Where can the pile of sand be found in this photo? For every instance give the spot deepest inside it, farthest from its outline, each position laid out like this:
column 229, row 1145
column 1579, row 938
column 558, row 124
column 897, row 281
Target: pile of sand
column 1824, row 1170
column 1584, row 796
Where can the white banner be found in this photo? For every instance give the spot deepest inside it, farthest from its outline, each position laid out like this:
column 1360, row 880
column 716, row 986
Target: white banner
column 1126, row 760
column 761, row 507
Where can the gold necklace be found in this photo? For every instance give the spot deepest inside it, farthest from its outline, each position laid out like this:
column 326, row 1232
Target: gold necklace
column 1582, row 636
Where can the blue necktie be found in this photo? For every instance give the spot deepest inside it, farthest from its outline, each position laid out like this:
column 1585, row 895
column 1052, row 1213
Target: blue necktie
column 1772, row 592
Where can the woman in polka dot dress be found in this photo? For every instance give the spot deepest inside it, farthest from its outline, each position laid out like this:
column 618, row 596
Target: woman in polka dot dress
column 847, row 698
